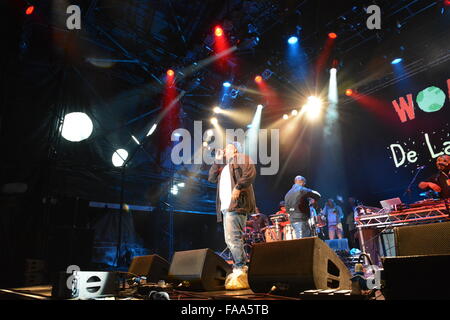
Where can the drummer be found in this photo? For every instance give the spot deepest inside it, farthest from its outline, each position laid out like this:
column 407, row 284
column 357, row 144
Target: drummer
column 258, row 221
column 285, row 213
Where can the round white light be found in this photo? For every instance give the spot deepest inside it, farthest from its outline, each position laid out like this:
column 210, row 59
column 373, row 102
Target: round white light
column 293, row 40
column 285, row 116
column 217, row 110
column 119, row 157
column 205, row 144
column 77, row 126
column 294, row 112
column 214, row 121
column 209, row 132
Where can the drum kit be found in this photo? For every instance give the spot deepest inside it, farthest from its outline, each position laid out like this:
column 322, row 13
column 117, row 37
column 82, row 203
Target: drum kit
column 281, row 229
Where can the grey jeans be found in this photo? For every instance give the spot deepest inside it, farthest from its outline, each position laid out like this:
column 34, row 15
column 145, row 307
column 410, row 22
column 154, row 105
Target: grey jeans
column 233, row 227
column 301, row 229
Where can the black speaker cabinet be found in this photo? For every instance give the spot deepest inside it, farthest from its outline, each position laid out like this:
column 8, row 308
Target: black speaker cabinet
column 425, row 239
column 296, row 265
column 416, row 277
column 153, row 267
column 201, row 270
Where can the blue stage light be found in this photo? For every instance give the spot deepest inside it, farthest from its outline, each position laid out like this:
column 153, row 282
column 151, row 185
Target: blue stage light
column 293, row 40
column 396, row 60
column 227, row 84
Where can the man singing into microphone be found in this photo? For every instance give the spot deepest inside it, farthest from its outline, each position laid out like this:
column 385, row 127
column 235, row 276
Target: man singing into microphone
column 439, row 182
column 234, row 174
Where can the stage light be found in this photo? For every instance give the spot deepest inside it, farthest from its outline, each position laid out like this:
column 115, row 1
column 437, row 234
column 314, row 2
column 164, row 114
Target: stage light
column 234, row 93
column 267, row 74
column 396, row 60
column 181, row 184
column 312, row 100
column 205, row 144
column 285, row 116
column 209, row 132
column 29, row 10
column 77, row 126
column 174, row 190
column 170, row 73
column 218, row 31
column 119, row 157
column 293, row 40
column 259, row 106
column 227, row 84
column 217, row 110
column 332, row 35
column 348, row 92
column 258, row 79
column 294, row 112
column 152, row 129
column 313, row 107
column 333, row 70
column 214, row 121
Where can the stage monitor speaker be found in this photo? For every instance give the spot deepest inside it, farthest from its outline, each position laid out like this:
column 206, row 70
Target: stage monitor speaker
column 425, row 239
column 199, row 270
column 295, row 266
column 416, row 277
column 153, row 267
column 85, row 285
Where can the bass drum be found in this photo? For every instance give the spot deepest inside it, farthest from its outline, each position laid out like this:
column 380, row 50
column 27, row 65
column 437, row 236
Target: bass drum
column 288, row 232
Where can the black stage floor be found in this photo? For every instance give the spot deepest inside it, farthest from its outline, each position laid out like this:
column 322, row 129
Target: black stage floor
column 44, row 292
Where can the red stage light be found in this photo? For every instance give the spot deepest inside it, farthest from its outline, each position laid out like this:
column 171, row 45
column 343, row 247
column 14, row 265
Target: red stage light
column 258, row 79
column 29, row 10
column 447, row 3
column 332, row 35
column 348, row 92
column 170, row 73
column 218, row 31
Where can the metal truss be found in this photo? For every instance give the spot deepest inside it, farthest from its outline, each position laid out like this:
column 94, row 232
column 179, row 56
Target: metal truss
column 427, row 213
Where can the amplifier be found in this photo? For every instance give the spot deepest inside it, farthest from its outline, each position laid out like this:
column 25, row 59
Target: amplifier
column 85, row 285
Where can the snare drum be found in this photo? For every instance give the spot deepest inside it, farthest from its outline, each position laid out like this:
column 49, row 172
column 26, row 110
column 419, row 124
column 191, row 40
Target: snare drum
column 288, row 232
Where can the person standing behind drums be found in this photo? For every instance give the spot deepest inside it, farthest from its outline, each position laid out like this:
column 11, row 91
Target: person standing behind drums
column 258, row 221
column 297, row 205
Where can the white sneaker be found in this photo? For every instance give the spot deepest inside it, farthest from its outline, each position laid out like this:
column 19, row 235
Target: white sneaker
column 238, row 279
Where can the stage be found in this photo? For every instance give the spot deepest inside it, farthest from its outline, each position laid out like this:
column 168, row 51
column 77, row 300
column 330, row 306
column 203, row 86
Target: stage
column 44, row 292
column 302, row 144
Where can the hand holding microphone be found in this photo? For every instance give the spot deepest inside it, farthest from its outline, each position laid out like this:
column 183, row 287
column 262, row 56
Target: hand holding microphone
column 219, row 154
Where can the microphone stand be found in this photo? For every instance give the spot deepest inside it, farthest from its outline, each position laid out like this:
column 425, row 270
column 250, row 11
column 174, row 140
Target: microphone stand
column 408, row 189
column 122, row 193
